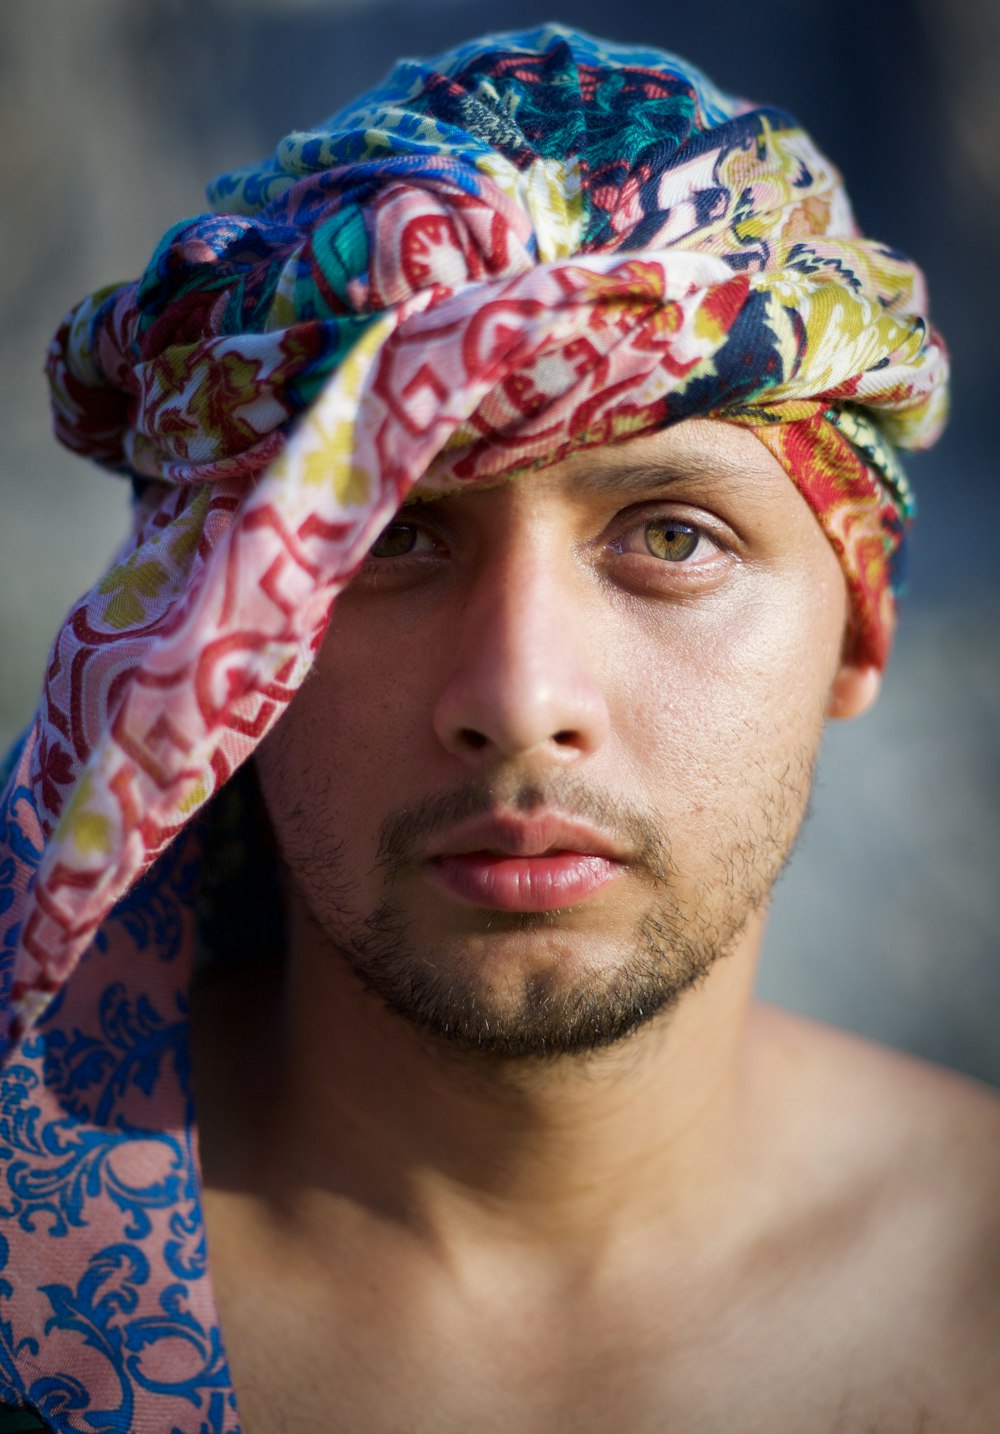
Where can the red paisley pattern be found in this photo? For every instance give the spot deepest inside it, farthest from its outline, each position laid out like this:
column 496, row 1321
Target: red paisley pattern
column 535, row 244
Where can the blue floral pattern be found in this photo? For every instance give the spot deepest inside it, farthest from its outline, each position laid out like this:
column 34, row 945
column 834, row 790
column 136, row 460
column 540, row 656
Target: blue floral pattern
column 97, row 1132
column 567, row 180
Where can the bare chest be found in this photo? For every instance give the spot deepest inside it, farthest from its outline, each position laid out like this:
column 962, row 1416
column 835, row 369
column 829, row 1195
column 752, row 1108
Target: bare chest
column 394, row 1357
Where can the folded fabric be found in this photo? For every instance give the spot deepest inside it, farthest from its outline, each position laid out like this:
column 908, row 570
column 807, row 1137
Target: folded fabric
column 532, row 244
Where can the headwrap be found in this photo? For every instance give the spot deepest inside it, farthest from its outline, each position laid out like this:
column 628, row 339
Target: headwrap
column 531, row 244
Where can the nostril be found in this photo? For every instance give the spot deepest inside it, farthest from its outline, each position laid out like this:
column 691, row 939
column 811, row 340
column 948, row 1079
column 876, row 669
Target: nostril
column 476, row 741
column 566, row 738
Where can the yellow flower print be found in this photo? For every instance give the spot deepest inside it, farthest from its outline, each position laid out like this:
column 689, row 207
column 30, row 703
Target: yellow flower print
column 90, row 830
column 131, row 585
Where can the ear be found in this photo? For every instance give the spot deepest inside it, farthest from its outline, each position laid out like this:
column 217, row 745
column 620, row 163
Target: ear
column 854, row 689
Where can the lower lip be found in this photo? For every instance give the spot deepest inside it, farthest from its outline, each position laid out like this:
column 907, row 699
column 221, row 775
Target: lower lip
column 525, row 883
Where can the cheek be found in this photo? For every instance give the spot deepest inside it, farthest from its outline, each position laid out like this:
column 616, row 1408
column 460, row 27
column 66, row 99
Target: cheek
column 721, row 713
column 771, row 662
column 328, row 763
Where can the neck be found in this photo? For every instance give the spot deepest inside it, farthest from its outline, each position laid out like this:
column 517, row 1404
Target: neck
column 571, row 1152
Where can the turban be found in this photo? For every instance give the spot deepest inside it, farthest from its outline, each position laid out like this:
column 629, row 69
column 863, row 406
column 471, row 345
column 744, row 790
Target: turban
column 529, row 245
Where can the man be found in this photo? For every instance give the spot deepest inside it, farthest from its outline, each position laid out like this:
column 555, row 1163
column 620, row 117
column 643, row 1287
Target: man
column 491, row 1133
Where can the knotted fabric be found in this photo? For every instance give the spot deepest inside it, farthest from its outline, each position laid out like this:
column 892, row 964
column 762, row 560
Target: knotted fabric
column 532, row 244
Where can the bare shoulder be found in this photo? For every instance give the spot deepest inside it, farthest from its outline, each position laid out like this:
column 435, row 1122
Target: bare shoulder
column 901, row 1112
column 907, row 1156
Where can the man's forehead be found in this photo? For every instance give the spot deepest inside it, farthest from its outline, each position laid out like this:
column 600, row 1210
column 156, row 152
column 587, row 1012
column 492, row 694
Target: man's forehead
column 705, row 455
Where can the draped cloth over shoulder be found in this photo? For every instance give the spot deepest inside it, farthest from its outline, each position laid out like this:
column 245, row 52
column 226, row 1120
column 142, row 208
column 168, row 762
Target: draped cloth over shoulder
column 529, row 245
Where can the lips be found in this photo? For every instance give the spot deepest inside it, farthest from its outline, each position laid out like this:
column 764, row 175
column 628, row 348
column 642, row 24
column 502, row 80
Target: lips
column 543, row 863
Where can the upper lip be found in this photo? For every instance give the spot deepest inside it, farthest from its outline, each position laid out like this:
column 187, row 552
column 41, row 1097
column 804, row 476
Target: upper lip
column 512, row 835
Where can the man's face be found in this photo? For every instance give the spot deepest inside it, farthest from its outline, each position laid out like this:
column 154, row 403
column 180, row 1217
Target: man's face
column 559, row 738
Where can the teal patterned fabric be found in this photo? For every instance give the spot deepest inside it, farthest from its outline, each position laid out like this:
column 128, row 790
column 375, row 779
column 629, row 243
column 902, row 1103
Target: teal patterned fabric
column 528, row 245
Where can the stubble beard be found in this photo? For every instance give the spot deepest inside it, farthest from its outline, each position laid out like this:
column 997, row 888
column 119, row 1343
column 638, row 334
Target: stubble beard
column 545, row 1013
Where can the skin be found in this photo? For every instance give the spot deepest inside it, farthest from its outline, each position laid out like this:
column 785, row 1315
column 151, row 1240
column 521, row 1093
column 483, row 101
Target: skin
column 685, row 1211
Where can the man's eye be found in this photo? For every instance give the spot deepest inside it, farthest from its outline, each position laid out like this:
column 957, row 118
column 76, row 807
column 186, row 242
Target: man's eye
column 398, row 540
column 673, row 542
column 670, row 540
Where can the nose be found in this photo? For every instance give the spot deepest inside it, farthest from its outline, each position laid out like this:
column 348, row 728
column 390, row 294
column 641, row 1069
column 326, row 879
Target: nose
column 526, row 673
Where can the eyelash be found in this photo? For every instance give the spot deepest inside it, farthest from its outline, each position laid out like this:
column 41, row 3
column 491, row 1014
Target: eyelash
column 648, row 526
column 629, row 541
column 392, row 557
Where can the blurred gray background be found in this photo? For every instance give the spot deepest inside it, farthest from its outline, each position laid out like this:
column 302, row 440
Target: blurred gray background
column 115, row 113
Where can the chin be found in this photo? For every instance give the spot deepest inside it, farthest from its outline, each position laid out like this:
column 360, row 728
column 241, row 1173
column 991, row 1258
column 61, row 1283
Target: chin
column 525, row 987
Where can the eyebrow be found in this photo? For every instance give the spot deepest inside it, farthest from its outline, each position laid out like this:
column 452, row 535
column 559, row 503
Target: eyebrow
column 718, row 472
column 643, row 477
column 640, row 477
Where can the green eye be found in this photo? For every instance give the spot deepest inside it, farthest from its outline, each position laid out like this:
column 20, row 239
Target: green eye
column 395, row 541
column 672, row 541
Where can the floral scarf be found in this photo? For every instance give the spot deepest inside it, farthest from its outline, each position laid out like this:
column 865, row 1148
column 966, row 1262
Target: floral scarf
column 531, row 244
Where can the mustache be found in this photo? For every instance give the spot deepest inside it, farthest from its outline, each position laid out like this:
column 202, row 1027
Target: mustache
column 404, row 833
